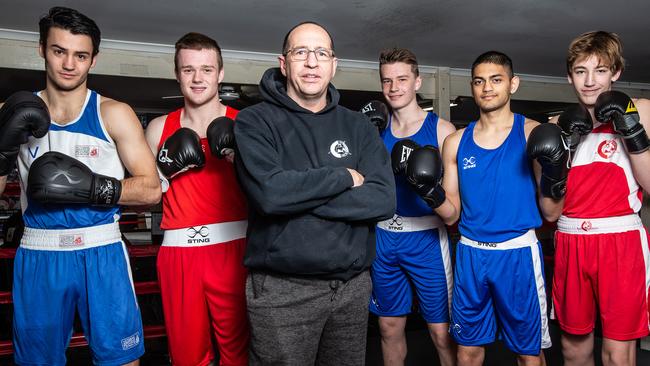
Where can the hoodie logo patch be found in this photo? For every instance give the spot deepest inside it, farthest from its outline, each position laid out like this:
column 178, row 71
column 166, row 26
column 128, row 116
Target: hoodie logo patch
column 339, row 149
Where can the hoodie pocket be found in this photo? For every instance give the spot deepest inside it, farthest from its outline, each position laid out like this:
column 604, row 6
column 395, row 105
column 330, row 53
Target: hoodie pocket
column 312, row 246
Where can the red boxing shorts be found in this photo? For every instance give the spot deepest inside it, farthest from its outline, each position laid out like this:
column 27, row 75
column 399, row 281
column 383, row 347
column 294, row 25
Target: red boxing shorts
column 203, row 293
column 602, row 263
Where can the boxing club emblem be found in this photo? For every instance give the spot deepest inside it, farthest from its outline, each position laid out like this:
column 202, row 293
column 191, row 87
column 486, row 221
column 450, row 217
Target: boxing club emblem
column 607, row 148
column 339, row 149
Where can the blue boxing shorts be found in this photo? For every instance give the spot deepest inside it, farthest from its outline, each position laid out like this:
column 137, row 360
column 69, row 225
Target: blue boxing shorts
column 412, row 253
column 58, row 272
column 499, row 291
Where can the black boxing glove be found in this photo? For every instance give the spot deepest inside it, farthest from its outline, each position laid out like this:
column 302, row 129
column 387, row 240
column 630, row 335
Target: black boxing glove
column 59, row 178
column 546, row 145
column 180, row 152
column 424, row 174
column 24, row 114
column 221, row 137
column 400, row 154
column 575, row 122
column 378, row 114
column 618, row 108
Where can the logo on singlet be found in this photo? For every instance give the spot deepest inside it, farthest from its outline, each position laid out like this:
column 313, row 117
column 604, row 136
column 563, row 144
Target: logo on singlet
column 607, row 148
column 469, row 163
column 339, row 149
column 33, row 153
column 586, row 225
column 86, row 151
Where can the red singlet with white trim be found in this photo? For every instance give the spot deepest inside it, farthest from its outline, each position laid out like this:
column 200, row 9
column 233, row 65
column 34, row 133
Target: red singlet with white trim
column 202, row 196
column 600, row 182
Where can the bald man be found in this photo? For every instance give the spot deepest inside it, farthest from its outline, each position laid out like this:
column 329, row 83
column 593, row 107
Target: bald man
column 318, row 179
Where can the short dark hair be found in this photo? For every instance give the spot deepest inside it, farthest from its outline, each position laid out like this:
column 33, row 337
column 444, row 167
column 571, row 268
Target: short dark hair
column 70, row 20
column 604, row 45
column 494, row 57
column 285, row 43
column 197, row 41
column 393, row 55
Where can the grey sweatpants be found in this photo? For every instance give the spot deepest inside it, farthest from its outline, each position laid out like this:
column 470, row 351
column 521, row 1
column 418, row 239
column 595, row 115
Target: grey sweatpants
column 301, row 322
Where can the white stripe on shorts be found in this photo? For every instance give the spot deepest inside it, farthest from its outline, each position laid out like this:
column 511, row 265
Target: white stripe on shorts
column 541, row 295
column 446, row 261
column 646, row 258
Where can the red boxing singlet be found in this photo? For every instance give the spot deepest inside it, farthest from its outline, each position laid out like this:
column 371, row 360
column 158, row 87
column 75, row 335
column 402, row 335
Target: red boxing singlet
column 202, row 196
column 600, row 182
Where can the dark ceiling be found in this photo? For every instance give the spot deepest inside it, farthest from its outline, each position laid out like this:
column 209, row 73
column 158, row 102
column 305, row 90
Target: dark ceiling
column 441, row 32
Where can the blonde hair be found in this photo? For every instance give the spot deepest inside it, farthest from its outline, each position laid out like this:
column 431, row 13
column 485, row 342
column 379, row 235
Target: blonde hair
column 393, row 55
column 604, row 45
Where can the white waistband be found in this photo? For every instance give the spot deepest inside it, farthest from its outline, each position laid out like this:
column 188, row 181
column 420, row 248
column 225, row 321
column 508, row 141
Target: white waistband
column 525, row 240
column 403, row 224
column 202, row 235
column 71, row 239
column 617, row 224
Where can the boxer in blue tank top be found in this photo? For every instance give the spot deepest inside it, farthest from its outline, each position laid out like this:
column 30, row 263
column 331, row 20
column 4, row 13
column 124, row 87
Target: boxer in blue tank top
column 71, row 258
column 491, row 184
column 412, row 247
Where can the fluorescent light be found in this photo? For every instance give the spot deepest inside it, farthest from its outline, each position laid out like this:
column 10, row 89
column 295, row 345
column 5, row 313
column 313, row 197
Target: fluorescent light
column 228, row 93
column 427, row 109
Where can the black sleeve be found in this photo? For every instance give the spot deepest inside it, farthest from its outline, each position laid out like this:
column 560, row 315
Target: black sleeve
column 271, row 189
column 375, row 199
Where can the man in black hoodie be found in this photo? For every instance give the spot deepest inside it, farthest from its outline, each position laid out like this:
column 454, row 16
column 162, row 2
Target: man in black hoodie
column 318, row 178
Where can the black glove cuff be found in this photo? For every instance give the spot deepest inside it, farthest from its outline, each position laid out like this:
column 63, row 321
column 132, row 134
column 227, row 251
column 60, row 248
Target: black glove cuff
column 435, row 198
column 106, row 191
column 638, row 142
column 553, row 188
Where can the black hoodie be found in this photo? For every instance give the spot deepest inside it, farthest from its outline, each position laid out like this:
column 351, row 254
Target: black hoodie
column 305, row 218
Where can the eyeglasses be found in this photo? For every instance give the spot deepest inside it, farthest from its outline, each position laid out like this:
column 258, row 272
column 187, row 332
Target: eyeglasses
column 302, row 53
